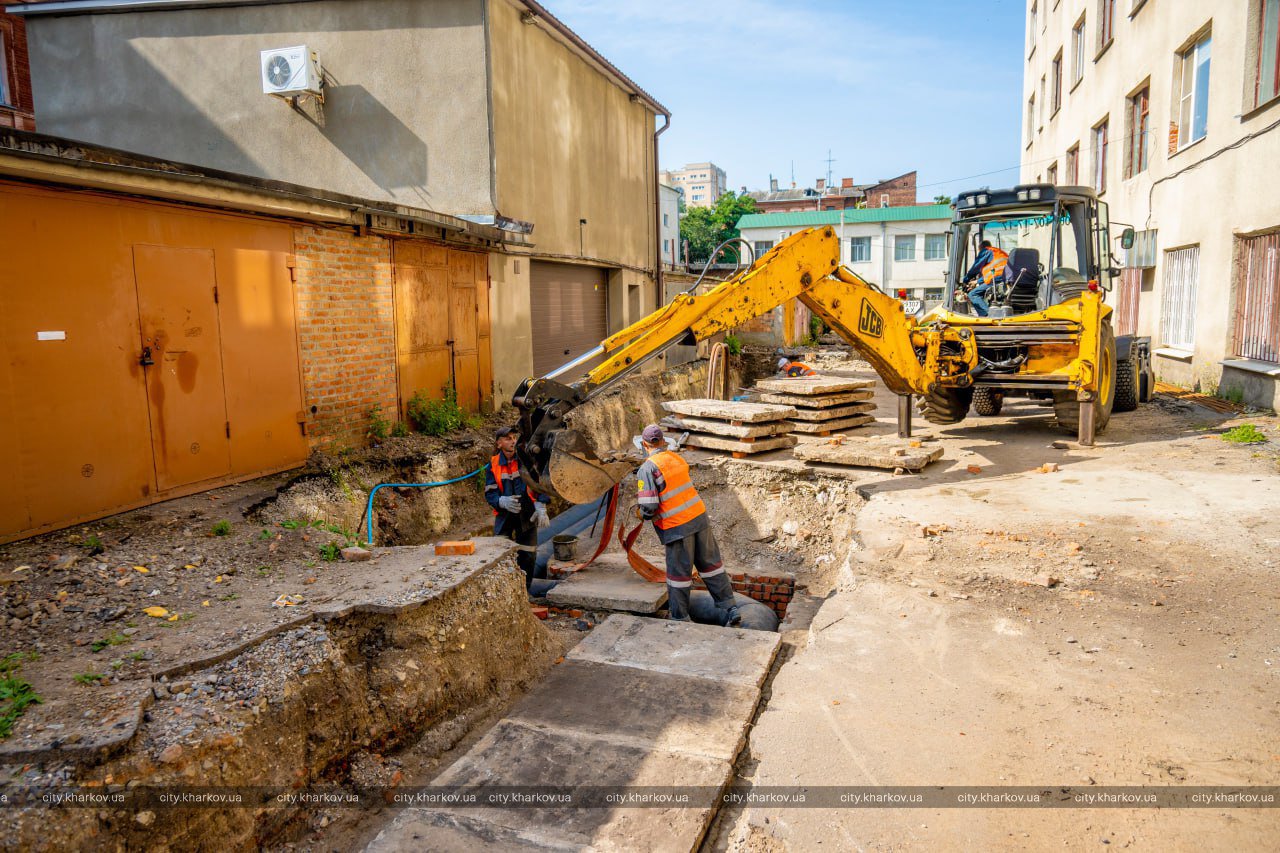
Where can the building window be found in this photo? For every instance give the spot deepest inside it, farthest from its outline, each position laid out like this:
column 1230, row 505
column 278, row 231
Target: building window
column 904, row 247
column 1056, row 79
column 1257, row 326
column 1051, row 174
column 698, row 197
column 934, row 294
column 1138, row 121
column 1031, row 27
column 1178, row 305
column 1106, row 23
column 1031, row 117
column 5, row 97
column 935, row 247
column 1193, row 100
column 1267, row 74
column 761, row 246
column 859, row 250
column 1100, row 157
column 1073, row 165
column 1043, row 101
column 1077, row 52
column 665, row 222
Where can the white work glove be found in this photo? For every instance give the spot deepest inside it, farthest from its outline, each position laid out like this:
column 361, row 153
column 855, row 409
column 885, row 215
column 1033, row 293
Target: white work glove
column 540, row 514
column 510, row 503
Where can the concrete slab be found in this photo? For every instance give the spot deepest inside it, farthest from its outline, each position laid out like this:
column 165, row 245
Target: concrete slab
column 728, row 410
column 609, row 584
column 683, row 648
column 756, row 445
column 870, row 453
column 562, row 761
column 441, row 832
column 827, row 427
column 833, row 412
column 644, row 709
column 818, row 402
column 817, row 385
column 715, row 427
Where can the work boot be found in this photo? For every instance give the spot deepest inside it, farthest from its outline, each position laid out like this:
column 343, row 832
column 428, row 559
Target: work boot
column 735, row 617
column 721, row 589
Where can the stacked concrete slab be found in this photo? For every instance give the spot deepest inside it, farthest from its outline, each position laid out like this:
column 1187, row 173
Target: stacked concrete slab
column 823, row 405
column 739, row 428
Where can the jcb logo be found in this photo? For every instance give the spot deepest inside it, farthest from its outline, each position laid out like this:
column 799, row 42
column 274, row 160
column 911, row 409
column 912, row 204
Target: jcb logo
column 870, row 322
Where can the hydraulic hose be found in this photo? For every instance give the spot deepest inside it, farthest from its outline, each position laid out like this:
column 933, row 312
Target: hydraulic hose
column 368, row 513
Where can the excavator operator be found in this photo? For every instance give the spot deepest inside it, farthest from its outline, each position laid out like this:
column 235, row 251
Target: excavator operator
column 990, row 265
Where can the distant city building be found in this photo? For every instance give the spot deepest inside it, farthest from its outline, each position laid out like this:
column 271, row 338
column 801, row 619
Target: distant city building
column 894, row 192
column 669, row 201
column 703, row 183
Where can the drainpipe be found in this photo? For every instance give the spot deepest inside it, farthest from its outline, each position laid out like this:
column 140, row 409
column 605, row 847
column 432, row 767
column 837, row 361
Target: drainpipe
column 660, row 296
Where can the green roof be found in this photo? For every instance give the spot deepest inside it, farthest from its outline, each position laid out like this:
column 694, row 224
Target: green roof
column 811, row 218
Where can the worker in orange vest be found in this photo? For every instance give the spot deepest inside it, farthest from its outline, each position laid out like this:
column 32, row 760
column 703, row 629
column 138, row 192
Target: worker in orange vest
column 795, row 369
column 517, row 512
column 990, row 265
column 667, row 496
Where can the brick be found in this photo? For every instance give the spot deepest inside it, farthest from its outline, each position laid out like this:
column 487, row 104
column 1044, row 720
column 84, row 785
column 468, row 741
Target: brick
column 451, row 549
column 540, row 612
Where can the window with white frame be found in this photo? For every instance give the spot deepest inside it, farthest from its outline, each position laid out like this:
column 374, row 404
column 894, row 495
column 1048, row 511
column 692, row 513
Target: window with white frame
column 1031, row 27
column 1178, row 303
column 1106, row 23
column 1193, row 100
column 904, row 247
column 1267, row 72
column 665, row 221
column 1077, row 51
column 761, row 246
column 935, row 247
column 1100, row 144
column 1043, row 101
column 1051, row 174
column 1031, row 117
column 1056, row 83
column 1138, row 127
column 859, row 250
column 1073, row 165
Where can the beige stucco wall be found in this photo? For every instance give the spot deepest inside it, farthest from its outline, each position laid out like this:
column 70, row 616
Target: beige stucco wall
column 570, row 144
column 406, row 112
column 1235, row 193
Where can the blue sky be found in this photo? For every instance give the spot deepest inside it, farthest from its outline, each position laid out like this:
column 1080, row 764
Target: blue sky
column 887, row 86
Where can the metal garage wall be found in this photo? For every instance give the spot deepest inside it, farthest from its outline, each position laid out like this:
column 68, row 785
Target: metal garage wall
column 88, row 284
column 567, row 313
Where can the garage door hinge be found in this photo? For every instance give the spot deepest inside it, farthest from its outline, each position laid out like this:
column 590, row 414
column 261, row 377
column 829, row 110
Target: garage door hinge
column 302, row 422
column 291, row 261
column 228, row 429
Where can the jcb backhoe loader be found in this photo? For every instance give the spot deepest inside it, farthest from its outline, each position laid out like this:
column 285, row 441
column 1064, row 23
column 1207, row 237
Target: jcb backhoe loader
column 1048, row 333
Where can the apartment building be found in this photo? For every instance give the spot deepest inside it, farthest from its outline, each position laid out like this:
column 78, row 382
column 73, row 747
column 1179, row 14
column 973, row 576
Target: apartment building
column 846, row 195
column 702, row 183
column 1170, row 109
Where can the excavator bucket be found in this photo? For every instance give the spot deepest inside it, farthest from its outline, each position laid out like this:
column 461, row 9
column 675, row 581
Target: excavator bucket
column 574, row 471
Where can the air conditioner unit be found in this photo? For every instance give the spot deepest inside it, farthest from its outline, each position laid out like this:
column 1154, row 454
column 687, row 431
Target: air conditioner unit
column 291, row 71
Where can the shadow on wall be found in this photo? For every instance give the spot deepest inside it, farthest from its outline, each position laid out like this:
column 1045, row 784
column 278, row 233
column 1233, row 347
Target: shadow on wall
column 374, row 139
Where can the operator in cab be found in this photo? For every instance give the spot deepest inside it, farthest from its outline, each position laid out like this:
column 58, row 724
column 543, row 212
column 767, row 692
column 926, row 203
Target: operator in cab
column 668, row 498
column 789, row 369
column 990, row 266
column 517, row 512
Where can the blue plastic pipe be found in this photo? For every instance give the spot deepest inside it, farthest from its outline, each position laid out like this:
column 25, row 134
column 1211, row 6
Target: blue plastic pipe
column 368, row 513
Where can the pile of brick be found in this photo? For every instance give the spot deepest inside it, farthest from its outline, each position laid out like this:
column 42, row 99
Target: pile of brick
column 823, row 405
column 738, row 428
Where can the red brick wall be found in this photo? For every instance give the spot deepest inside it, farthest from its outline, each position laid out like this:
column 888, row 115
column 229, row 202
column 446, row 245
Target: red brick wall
column 346, row 332
column 901, row 191
column 774, row 590
column 20, row 113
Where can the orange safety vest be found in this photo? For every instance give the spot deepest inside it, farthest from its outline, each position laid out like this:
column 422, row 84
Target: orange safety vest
column 502, row 473
column 798, row 369
column 679, row 502
column 995, row 269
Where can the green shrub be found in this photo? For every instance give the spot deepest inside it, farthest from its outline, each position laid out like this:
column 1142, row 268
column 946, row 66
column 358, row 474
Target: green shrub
column 222, row 528
column 15, row 692
column 1244, row 434
column 400, row 430
column 330, row 551
column 379, row 426
column 733, row 343
column 439, row 417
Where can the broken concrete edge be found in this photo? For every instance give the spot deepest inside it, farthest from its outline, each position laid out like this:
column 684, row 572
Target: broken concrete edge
column 98, row 752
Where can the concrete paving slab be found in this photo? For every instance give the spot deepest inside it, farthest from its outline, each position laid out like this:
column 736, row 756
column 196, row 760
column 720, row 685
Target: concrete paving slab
column 816, row 385
column 682, row 648
column 833, row 412
column 827, row 427
column 728, row 410
column 726, row 428
column 734, row 445
column 441, row 832
column 822, row 402
column 870, row 453
column 609, row 584
column 646, row 709
column 561, row 762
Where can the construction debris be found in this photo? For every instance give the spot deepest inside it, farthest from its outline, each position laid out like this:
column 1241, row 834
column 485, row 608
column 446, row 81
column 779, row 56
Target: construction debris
column 823, row 405
column 739, row 428
column 873, row 452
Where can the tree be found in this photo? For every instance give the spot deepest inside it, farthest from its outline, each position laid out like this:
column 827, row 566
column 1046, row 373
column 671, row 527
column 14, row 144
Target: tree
column 942, row 199
column 704, row 228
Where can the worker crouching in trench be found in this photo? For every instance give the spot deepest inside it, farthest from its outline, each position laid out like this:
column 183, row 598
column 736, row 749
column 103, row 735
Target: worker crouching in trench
column 667, row 496
column 517, row 511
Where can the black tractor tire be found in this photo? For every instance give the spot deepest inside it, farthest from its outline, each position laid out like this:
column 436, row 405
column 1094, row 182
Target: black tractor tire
column 1126, row 385
column 946, row 405
column 987, row 401
column 1067, row 408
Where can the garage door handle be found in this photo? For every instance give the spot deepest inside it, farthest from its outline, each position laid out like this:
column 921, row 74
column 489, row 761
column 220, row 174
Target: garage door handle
column 145, row 359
